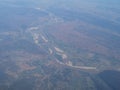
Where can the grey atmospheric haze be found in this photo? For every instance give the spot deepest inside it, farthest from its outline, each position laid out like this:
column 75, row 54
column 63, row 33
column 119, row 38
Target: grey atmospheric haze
column 59, row 44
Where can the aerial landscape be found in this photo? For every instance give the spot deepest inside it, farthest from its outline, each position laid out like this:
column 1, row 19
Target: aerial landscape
column 59, row 45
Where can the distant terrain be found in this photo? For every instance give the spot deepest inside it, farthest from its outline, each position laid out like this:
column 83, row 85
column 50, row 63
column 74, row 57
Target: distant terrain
column 59, row 45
